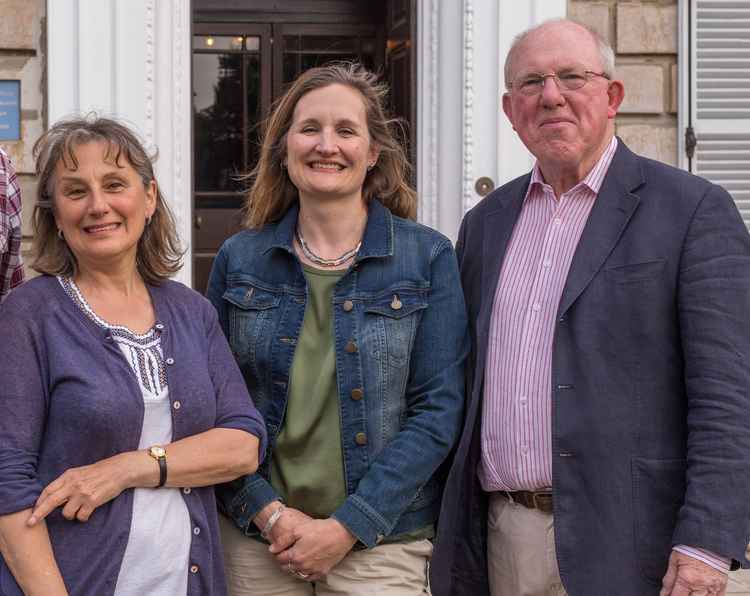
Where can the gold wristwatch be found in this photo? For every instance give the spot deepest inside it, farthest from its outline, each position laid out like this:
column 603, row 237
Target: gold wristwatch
column 160, row 454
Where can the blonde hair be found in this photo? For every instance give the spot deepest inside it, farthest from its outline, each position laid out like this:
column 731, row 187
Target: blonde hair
column 272, row 192
column 158, row 255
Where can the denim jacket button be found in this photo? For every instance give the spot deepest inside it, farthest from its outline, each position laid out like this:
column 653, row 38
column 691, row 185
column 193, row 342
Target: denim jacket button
column 348, row 305
column 396, row 304
column 351, row 347
column 360, row 439
column 357, row 394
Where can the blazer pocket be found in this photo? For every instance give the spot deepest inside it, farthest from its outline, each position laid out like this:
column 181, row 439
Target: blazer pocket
column 636, row 272
column 658, row 493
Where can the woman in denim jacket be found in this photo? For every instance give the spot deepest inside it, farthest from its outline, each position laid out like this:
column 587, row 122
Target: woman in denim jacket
column 348, row 323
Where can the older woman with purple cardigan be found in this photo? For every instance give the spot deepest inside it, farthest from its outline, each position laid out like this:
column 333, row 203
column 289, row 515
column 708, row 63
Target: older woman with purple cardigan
column 120, row 401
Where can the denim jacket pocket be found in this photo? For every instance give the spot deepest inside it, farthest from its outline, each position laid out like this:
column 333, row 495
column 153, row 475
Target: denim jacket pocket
column 251, row 314
column 395, row 317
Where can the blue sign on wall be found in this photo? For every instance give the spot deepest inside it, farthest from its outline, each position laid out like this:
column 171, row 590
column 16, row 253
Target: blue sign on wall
column 10, row 110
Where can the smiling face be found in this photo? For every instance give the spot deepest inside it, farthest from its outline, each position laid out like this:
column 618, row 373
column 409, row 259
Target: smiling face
column 101, row 206
column 566, row 131
column 328, row 146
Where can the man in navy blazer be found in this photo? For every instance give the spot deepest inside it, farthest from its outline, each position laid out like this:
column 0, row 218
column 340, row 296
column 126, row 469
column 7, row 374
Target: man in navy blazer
column 640, row 374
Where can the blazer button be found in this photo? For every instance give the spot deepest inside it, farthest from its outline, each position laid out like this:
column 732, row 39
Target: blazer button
column 351, row 347
column 348, row 305
column 357, row 394
column 360, row 439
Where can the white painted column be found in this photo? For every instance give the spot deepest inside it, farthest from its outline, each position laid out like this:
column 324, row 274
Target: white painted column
column 462, row 133
column 130, row 60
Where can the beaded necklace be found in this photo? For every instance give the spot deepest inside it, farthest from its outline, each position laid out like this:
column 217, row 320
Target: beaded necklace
column 311, row 256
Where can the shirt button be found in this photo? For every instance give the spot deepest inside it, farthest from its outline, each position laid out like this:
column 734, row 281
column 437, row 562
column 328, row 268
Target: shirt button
column 194, row 569
column 357, row 394
column 348, row 305
column 187, row 490
column 557, row 221
column 522, row 399
column 169, row 361
column 351, row 347
column 547, row 264
column 196, row 530
column 360, row 439
column 176, row 405
column 536, row 307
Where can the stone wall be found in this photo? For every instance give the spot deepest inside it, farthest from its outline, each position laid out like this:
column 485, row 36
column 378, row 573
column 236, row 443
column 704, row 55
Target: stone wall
column 23, row 57
column 644, row 35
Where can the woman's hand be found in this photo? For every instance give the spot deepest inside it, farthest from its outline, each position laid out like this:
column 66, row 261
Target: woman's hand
column 82, row 490
column 313, row 548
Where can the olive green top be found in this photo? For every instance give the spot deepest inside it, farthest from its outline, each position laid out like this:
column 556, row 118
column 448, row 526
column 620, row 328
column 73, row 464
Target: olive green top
column 307, row 468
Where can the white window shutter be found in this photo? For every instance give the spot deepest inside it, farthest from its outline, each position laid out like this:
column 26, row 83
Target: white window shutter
column 720, row 95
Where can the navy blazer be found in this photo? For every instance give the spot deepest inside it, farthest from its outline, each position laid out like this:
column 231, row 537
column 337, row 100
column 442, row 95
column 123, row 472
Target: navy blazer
column 650, row 384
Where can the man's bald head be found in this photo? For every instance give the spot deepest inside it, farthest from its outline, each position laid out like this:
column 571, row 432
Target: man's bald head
column 605, row 51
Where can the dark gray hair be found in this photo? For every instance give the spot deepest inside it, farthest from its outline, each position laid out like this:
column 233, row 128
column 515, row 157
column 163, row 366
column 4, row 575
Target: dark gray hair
column 606, row 53
column 158, row 255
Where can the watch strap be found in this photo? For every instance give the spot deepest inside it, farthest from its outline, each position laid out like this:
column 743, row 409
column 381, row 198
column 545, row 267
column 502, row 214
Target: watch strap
column 162, row 470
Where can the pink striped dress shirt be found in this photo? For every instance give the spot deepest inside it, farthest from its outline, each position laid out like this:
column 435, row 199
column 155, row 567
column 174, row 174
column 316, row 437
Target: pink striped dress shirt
column 517, row 405
column 516, row 417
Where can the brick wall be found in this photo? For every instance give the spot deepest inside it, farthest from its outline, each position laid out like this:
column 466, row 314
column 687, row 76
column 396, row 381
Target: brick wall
column 644, row 37
column 23, row 57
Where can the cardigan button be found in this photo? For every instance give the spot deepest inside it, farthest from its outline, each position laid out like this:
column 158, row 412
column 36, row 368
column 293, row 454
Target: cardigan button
column 169, row 361
column 194, row 569
column 176, row 405
column 159, row 326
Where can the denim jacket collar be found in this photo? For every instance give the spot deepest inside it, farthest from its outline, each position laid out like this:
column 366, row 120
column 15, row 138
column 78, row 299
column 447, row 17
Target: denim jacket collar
column 376, row 242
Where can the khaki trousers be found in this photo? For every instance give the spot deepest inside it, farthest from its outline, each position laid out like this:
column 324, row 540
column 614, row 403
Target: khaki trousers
column 385, row 570
column 521, row 550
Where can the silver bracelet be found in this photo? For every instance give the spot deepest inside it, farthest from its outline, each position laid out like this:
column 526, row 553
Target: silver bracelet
column 272, row 521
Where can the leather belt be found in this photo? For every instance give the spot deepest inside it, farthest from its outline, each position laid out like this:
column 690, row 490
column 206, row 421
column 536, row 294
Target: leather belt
column 541, row 500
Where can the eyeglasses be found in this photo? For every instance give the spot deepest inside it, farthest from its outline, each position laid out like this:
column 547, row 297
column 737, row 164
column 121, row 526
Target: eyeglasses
column 566, row 80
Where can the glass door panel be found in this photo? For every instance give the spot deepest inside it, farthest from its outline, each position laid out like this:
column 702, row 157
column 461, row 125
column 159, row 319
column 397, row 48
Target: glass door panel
column 305, row 46
column 217, row 121
column 231, row 92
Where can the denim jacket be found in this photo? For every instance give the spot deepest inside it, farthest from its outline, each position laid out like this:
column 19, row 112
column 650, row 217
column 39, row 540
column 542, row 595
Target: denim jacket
column 400, row 333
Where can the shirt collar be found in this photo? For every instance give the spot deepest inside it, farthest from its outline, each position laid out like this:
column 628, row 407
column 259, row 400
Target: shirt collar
column 593, row 180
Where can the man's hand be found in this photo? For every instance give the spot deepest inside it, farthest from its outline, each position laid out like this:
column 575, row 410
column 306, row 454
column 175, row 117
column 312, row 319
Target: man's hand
column 82, row 490
column 687, row 576
column 314, row 548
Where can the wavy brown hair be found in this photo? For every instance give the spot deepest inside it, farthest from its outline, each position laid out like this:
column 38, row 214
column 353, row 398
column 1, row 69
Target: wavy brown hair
column 272, row 192
column 158, row 255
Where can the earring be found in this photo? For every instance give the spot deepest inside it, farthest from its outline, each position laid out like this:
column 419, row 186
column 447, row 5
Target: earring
column 370, row 166
column 148, row 220
column 60, row 234
column 284, row 165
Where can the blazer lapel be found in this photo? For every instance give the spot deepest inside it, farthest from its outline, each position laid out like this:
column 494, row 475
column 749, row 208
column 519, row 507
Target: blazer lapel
column 611, row 213
column 497, row 230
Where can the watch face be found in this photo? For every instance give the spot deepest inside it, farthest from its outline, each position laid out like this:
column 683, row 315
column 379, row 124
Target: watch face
column 158, row 452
